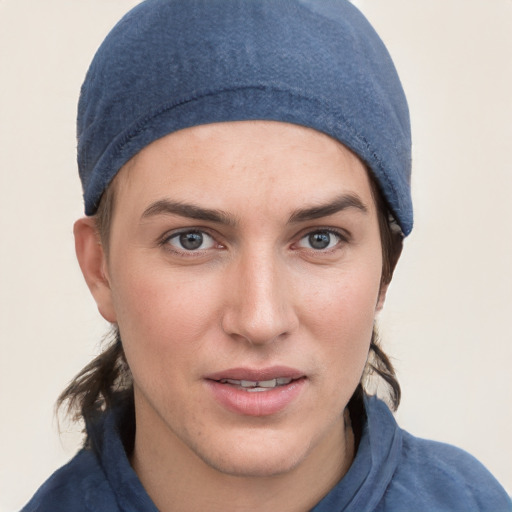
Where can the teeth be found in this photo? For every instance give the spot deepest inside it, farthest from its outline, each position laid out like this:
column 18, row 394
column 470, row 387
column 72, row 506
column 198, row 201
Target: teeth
column 248, row 383
column 261, row 385
column 267, row 383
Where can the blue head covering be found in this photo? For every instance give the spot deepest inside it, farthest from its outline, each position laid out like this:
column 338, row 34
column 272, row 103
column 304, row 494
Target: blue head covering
column 172, row 64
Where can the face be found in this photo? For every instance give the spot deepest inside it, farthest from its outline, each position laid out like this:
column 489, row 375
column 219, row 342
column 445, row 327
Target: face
column 244, row 273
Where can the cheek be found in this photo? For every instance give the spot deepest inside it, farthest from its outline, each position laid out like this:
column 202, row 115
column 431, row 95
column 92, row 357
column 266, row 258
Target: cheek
column 341, row 316
column 345, row 300
column 162, row 316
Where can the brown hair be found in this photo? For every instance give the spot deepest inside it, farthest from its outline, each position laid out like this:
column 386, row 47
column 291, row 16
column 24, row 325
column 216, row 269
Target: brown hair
column 107, row 379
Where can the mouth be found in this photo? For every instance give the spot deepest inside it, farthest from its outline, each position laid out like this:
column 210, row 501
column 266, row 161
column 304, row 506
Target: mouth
column 254, row 386
column 257, row 392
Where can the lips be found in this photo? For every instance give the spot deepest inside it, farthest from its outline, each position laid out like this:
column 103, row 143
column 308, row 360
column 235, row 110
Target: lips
column 256, row 392
column 261, row 374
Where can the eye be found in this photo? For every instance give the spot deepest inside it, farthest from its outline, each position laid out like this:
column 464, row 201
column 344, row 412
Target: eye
column 320, row 240
column 192, row 240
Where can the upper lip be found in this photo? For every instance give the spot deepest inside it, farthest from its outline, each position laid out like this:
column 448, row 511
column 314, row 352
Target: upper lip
column 257, row 374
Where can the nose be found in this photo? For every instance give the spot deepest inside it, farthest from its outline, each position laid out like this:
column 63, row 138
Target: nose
column 260, row 305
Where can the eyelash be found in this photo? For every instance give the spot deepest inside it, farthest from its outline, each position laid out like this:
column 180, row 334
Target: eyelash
column 165, row 242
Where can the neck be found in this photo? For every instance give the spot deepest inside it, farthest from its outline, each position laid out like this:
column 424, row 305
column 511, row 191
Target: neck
column 176, row 479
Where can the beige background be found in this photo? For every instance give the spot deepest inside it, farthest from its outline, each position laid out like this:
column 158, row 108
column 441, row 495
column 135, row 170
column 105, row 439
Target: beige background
column 447, row 318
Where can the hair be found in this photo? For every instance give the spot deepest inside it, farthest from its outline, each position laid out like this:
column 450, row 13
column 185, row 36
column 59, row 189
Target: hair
column 107, row 380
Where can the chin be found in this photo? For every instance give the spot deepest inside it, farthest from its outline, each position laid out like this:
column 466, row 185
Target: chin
column 265, row 466
column 255, row 457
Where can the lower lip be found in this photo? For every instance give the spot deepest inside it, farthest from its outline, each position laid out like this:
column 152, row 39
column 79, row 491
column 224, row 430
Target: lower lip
column 256, row 403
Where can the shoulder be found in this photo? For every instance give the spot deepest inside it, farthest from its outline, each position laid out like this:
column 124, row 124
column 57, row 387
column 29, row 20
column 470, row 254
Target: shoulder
column 422, row 475
column 445, row 478
column 79, row 486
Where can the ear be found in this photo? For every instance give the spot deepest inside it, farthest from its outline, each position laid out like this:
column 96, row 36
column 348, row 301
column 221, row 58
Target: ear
column 93, row 263
column 382, row 296
column 392, row 250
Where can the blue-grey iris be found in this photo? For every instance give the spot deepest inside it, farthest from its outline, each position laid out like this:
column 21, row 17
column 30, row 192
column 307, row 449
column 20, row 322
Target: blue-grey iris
column 191, row 241
column 319, row 240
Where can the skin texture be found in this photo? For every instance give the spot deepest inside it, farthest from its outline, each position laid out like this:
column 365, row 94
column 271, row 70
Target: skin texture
column 255, row 295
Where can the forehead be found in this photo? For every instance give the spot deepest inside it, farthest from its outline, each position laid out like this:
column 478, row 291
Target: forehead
column 256, row 160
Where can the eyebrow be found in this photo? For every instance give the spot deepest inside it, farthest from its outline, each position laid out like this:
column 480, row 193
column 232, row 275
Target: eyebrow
column 192, row 211
column 168, row 207
column 339, row 204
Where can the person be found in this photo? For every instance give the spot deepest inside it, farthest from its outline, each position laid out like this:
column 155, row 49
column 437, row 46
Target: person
column 246, row 175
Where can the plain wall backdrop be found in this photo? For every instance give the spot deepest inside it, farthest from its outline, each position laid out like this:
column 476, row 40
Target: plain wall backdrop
column 446, row 321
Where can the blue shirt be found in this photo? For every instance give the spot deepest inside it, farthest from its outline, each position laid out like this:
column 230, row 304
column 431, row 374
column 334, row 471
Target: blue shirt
column 393, row 471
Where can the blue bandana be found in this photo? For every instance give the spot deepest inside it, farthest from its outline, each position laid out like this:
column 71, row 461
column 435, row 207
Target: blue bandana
column 172, row 64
